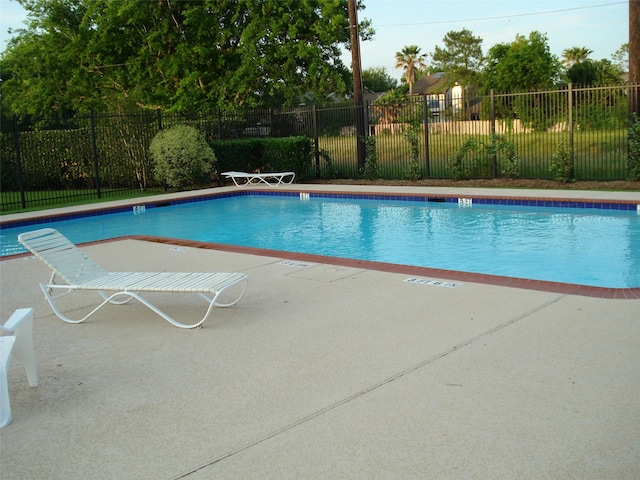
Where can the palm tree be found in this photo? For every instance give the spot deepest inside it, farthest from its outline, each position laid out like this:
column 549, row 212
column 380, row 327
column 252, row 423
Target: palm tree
column 606, row 73
column 410, row 60
column 574, row 55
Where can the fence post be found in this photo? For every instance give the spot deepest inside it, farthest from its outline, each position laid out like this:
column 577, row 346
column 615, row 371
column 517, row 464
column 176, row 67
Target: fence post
column 159, row 116
column 16, row 137
column 570, row 128
column 220, row 125
column 371, row 129
column 271, row 124
column 425, row 127
column 314, row 126
column 492, row 129
column 94, row 147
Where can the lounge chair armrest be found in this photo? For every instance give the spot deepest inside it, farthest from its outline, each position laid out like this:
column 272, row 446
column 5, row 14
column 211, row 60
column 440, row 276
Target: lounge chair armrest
column 18, row 318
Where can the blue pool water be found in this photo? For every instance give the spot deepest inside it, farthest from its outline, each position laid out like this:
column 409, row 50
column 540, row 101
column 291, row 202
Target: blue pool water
column 582, row 246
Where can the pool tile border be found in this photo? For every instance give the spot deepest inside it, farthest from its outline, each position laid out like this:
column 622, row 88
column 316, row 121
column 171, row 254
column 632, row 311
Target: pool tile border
column 621, row 205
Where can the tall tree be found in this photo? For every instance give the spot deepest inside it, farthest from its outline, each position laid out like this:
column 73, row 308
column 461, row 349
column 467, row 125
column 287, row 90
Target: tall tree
column 175, row 55
column 411, row 60
column 42, row 69
column 525, row 64
column 574, row 55
column 597, row 73
column 377, row 79
column 461, row 54
column 461, row 60
column 607, row 73
column 620, row 58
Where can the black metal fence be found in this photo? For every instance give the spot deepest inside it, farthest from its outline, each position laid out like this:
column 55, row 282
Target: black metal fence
column 106, row 155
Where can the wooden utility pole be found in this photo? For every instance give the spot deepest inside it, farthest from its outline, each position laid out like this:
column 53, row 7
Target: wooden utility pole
column 634, row 56
column 356, row 66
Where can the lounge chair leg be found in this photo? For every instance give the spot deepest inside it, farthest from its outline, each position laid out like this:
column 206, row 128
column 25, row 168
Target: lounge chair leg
column 224, row 305
column 112, row 301
column 130, row 295
column 51, row 300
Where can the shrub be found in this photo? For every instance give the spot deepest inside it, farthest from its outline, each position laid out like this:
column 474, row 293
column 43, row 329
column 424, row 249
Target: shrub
column 243, row 155
column 413, row 171
column 561, row 167
column 328, row 171
column 264, row 154
column 287, row 154
column 633, row 165
column 182, row 157
column 456, row 162
column 371, row 159
column 510, row 164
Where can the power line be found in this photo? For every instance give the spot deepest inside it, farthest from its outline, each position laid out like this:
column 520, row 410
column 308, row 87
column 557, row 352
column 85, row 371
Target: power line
column 500, row 16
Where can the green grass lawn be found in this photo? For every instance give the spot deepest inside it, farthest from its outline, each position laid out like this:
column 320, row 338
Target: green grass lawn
column 42, row 200
column 599, row 155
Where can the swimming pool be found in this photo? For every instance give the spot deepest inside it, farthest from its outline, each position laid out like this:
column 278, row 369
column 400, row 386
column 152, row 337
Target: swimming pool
column 582, row 246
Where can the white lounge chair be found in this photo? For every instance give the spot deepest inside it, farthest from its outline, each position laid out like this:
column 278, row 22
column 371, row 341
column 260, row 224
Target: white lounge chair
column 78, row 272
column 21, row 342
column 242, row 179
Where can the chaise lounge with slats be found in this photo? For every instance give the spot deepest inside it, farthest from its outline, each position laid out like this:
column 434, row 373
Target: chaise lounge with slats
column 242, row 179
column 73, row 270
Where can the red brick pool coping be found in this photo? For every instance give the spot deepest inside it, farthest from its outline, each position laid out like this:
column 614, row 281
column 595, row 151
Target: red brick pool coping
column 555, row 287
column 540, row 285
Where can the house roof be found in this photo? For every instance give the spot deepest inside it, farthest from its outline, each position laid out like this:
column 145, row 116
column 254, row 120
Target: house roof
column 430, row 84
column 371, row 96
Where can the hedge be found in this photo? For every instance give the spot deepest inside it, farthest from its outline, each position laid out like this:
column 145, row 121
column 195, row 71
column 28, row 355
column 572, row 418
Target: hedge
column 290, row 154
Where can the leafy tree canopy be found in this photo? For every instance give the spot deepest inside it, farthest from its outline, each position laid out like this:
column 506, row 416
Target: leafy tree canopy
column 525, row 64
column 461, row 53
column 173, row 54
column 620, row 57
column 460, row 59
column 377, row 79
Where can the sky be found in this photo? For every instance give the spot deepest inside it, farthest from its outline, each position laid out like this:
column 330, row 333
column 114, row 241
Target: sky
column 599, row 25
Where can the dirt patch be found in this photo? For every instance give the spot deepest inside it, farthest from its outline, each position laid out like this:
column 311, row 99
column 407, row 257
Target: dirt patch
column 492, row 183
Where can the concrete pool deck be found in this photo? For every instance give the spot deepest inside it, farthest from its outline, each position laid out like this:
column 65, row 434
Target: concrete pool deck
column 326, row 371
